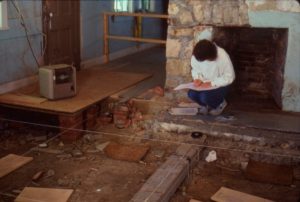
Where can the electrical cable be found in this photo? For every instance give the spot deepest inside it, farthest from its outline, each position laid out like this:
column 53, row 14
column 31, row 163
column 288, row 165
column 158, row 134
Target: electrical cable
column 57, row 135
column 23, row 24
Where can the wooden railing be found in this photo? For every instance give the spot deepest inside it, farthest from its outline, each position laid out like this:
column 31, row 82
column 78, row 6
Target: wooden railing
column 107, row 36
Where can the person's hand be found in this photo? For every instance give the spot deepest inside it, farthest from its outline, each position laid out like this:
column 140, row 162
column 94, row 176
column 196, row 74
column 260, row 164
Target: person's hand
column 197, row 82
column 205, row 85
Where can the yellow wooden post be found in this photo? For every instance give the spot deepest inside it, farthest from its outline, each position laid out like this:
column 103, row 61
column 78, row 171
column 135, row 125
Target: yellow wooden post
column 105, row 37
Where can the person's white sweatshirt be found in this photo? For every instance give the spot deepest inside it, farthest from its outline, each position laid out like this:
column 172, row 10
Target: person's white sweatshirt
column 219, row 72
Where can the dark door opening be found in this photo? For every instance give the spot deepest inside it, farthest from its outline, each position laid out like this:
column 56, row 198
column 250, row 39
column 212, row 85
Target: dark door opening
column 258, row 56
column 164, row 25
column 61, row 25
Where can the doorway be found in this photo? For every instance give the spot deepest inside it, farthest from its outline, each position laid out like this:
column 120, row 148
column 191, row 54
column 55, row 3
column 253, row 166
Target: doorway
column 61, row 25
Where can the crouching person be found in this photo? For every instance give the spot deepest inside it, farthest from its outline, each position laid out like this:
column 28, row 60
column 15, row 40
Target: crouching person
column 211, row 67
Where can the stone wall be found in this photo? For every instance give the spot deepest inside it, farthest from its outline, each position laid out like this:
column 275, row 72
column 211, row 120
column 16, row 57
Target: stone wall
column 190, row 19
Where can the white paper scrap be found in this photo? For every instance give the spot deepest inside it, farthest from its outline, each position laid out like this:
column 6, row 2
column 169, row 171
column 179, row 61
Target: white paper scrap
column 193, row 87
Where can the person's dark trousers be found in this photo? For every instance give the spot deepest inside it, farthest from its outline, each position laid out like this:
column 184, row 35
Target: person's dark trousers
column 211, row 98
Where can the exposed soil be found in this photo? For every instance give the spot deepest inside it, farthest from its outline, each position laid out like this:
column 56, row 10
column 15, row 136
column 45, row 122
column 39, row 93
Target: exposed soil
column 95, row 177
column 208, row 178
column 92, row 175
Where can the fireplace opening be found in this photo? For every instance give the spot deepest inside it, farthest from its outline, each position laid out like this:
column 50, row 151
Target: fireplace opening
column 258, row 56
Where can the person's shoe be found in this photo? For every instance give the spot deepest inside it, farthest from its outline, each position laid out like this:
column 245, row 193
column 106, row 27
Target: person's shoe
column 219, row 109
column 202, row 110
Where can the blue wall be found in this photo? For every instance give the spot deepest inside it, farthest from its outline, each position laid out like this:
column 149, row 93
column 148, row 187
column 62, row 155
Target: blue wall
column 15, row 57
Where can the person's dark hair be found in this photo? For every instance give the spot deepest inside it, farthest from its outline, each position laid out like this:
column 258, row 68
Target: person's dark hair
column 205, row 50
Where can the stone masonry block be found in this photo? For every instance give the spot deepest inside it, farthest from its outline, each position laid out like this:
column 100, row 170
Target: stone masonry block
column 173, row 48
column 198, row 12
column 173, row 9
column 178, row 67
column 187, row 51
column 207, row 12
column 179, row 32
column 185, row 17
column 243, row 15
column 171, row 82
column 228, row 14
column 217, row 14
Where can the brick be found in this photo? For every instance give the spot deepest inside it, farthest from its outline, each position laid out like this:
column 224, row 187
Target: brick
column 68, row 123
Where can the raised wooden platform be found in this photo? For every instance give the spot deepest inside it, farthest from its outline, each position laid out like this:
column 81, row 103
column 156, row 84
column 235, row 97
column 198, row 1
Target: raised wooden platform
column 93, row 85
column 78, row 112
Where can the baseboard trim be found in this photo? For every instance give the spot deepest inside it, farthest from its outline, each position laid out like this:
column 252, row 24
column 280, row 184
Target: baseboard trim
column 14, row 85
column 128, row 51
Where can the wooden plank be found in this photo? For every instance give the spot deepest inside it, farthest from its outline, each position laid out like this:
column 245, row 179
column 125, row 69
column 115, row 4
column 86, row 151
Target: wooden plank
column 228, row 195
column 126, row 38
column 33, row 194
column 93, row 85
column 17, row 98
column 12, row 162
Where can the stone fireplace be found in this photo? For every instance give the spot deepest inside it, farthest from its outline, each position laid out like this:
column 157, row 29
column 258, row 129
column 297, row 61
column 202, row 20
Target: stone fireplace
column 261, row 37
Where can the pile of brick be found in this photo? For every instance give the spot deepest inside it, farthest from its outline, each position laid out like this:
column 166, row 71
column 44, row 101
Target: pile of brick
column 125, row 115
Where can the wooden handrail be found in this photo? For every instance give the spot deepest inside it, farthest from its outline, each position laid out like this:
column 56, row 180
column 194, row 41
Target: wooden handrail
column 137, row 39
column 106, row 35
column 149, row 15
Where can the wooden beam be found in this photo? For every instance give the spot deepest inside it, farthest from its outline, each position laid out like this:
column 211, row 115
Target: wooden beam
column 149, row 15
column 164, row 182
column 159, row 41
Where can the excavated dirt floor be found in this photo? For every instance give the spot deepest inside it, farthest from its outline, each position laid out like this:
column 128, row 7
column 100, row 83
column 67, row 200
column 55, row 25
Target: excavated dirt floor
column 96, row 177
column 92, row 175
